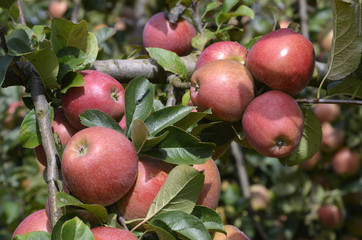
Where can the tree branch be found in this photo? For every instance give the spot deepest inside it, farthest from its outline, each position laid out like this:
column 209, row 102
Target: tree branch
column 303, row 14
column 196, row 16
column 75, row 12
column 335, row 101
column 21, row 12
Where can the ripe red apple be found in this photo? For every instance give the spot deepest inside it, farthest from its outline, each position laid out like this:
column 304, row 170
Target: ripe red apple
column 225, row 86
column 159, row 32
column 57, row 8
column 332, row 138
column 312, row 162
column 222, row 50
column 62, row 127
column 99, row 165
column 107, row 233
column 346, row 162
column 327, row 112
column 283, row 60
column 273, row 124
column 210, row 192
column 37, row 221
column 14, row 113
column 122, row 123
column 152, row 174
column 232, row 233
column 259, row 199
column 100, row 91
column 330, row 216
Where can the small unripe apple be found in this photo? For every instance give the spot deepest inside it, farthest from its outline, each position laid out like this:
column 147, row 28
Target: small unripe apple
column 37, row 221
column 330, row 216
column 176, row 37
column 332, row 138
column 57, row 8
column 259, row 199
column 273, row 124
column 283, row 60
column 225, row 86
column 346, row 162
column 110, row 233
column 327, row 112
column 232, row 233
column 100, row 91
column 99, row 165
column 222, row 50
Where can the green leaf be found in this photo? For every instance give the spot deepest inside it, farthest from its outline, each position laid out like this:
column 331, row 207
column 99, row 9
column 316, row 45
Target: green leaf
column 310, row 142
column 94, row 117
column 211, row 6
column 153, row 141
column 57, row 229
column 11, row 210
column 139, row 134
column 241, row 11
column 169, row 61
column 228, row 5
column 75, row 229
column 59, row 34
column 6, row 3
column 104, row 33
column 350, row 87
column 37, row 235
column 186, row 227
column 211, row 220
column 252, row 42
column 71, row 59
column 217, row 132
column 165, row 117
column 78, row 36
column 46, row 63
column 200, row 40
column 91, row 50
column 138, row 101
column 4, row 64
column 161, row 233
column 18, row 42
column 191, row 119
column 346, row 45
column 40, row 32
column 180, row 147
column 179, row 192
column 64, row 199
column 71, row 79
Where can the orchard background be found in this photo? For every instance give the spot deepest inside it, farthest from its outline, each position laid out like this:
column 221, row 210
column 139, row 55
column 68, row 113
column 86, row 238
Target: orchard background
column 265, row 197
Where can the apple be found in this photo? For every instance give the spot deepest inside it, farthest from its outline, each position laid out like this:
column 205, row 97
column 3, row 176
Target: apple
column 346, row 162
column 122, row 123
column 312, row 162
column 99, row 165
column 152, row 174
column 57, row 8
column 259, row 198
column 330, row 216
column 326, row 41
column 222, row 50
column 106, row 233
column 100, row 91
column 14, row 113
column 232, row 233
column 176, row 37
column 283, row 60
column 284, row 23
column 62, row 127
column 37, row 221
column 225, row 86
column 327, row 112
column 332, row 138
column 210, row 192
column 273, row 124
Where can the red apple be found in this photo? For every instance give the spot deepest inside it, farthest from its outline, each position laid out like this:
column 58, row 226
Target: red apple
column 62, row 127
column 210, row 192
column 259, row 199
column 330, row 216
column 99, row 165
column 312, row 162
column 283, row 60
column 57, row 8
column 284, row 23
column 232, row 233
column 332, row 138
column 273, row 124
column 152, row 174
column 107, row 233
column 327, row 112
column 222, row 50
column 122, row 123
column 225, row 86
column 37, row 221
column 346, row 162
column 176, row 37
column 14, row 113
column 100, row 91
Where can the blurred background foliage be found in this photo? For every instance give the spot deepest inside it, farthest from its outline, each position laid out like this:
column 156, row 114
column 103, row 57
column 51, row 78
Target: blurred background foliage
column 284, row 199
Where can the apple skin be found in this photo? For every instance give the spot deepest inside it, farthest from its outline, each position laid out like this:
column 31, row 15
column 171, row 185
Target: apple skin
column 330, row 216
column 106, row 233
column 327, row 112
column 232, row 233
column 210, row 192
column 99, row 165
column 346, row 162
column 283, row 60
column 63, row 128
column 100, row 91
column 225, row 86
column 57, row 8
column 37, row 221
column 332, row 138
column 222, row 50
column 259, row 199
column 273, row 124
column 152, row 174
column 159, row 32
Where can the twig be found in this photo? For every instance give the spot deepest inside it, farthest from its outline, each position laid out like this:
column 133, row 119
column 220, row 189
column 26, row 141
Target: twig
column 336, row 101
column 303, row 14
column 75, row 12
column 196, row 16
column 244, row 183
column 21, row 13
column 120, row 217
column 139, row 21
column 171, row 99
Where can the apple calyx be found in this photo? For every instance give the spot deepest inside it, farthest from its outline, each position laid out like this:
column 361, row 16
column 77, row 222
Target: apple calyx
column 114, row 94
